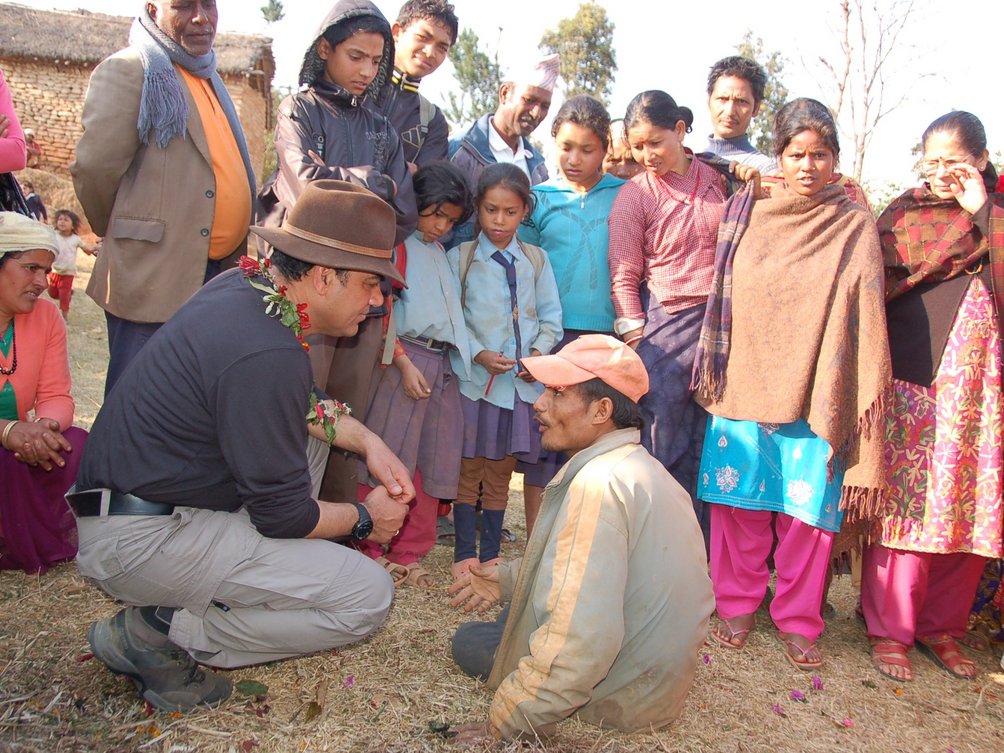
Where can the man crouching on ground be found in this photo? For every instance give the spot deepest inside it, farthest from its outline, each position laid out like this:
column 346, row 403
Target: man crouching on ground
column 611, row 600
column 196, row 501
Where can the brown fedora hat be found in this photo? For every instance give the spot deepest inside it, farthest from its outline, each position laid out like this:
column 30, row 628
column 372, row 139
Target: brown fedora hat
column 339, row 225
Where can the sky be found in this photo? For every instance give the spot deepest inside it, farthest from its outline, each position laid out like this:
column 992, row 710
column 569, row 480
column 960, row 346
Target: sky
column 943, row 60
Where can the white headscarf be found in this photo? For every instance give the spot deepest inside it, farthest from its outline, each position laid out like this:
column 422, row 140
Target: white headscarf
column 20, row 233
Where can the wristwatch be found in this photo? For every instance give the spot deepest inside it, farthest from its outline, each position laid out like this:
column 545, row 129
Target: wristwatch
column 364, row 526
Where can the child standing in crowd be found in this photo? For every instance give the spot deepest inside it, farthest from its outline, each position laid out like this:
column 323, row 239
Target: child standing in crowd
column 415, row 405
column 325, row 131
column 512, row 310
column 64, row 268
column 570, row 221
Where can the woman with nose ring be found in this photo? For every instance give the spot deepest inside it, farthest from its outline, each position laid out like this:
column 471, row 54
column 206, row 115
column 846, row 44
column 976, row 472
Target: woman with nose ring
column 793, row 365
column 663, row 228
column 39, row 448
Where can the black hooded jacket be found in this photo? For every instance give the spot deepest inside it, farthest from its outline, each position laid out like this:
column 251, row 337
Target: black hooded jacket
column 353, row 143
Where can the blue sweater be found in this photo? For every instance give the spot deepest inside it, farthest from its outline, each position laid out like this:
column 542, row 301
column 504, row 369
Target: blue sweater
column 572, row 229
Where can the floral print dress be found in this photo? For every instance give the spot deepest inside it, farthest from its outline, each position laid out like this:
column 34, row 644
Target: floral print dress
column 944, row 445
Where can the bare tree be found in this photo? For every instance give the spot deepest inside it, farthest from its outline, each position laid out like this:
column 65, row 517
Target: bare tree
column 870, row 35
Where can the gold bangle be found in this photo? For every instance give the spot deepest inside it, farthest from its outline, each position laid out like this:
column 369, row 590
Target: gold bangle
column 6, row 433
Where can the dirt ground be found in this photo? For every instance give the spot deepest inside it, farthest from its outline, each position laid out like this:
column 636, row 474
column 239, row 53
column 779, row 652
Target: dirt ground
column 380, row 695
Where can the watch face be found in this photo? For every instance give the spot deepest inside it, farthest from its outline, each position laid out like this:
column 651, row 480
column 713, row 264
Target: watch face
column 364, row 527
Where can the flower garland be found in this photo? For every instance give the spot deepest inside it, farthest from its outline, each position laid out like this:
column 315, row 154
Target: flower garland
column 326, row 413
column 292, row 315
column 323, row 413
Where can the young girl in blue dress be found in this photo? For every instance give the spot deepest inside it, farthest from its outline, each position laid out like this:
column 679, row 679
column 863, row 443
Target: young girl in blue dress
column 512, row 309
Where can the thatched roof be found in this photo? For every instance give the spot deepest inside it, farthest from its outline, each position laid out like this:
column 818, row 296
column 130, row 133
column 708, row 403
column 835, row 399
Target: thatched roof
column 88, row 38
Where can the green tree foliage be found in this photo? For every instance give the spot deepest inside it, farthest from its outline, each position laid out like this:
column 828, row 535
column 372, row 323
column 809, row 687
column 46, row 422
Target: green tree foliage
column 273, row 11
column 775, row 93
column 585, row 44
column 478, row 79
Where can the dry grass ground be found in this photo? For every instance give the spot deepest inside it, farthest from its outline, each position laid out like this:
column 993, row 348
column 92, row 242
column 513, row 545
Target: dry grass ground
column 380, row 695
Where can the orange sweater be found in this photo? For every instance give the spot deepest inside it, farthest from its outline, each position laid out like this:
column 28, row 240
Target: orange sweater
column 42, row 380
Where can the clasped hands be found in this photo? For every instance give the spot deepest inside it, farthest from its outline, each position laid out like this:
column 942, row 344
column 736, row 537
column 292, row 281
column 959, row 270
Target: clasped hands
column 477, row 590
column 38, row 443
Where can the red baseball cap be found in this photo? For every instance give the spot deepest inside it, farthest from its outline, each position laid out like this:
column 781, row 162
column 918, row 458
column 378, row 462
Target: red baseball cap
column 592, row 357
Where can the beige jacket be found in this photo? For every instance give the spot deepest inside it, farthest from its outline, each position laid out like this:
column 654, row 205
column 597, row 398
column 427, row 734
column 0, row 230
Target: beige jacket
column 612, row 599
column 154, row 207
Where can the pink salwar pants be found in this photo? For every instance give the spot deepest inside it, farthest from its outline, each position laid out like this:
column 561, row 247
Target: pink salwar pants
column 418, row 534
column 740, row 543
column 909, row 594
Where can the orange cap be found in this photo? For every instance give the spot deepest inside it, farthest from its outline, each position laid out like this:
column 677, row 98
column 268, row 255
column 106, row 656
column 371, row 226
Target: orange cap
column 592, row 357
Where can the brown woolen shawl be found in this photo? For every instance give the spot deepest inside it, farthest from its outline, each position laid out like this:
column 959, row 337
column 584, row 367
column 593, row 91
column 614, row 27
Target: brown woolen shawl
column 808, row 336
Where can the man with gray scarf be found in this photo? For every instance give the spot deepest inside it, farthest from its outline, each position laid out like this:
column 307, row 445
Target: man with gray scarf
column 162, row 172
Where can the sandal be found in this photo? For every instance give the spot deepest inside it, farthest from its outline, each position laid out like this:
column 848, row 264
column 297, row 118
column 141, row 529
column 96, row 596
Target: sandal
column 735, row 639
column 976, row 639
column 418, row 577
column 398, row 573
column 887, row 654
column 797, row 656
column 944, row 651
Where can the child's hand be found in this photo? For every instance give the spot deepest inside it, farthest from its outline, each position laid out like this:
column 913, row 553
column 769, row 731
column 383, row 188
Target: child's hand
column 525, row 375
column 494, row 363
column 412, row 380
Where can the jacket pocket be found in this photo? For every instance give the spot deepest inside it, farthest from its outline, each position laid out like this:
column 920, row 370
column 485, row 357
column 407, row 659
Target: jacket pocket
column 137, row 229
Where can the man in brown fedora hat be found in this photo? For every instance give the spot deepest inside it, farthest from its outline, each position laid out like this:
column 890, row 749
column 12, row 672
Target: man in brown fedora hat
column 197, row 496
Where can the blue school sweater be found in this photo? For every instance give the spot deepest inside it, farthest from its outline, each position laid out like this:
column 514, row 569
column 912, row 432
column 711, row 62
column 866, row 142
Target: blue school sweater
column 572, row 229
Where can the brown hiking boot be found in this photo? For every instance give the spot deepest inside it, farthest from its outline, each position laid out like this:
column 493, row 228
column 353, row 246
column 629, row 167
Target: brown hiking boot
column 164, row 674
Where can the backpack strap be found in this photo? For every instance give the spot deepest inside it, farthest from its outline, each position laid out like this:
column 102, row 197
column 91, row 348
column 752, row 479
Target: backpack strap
column 535, row 254
column 426, row 113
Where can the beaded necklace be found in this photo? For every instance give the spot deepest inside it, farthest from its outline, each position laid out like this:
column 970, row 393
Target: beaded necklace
column 13, row 350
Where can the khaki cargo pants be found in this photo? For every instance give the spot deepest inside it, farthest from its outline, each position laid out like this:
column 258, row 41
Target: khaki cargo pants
column 242, row 598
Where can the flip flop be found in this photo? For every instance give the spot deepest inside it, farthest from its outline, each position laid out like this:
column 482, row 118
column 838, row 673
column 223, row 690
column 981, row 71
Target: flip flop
column 889, row 653
column 944, row 651
column 796, row 655
column 735, row 639
column 398, row 573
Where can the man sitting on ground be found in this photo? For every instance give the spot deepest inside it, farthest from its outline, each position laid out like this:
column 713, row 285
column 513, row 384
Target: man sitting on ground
column 611, row 601
column 197, row 494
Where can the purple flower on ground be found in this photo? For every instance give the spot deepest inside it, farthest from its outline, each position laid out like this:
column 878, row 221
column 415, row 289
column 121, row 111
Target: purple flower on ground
column 817, row 682
column 706, row 658
column 798, row 695
column 349, row 681
column 779, row 711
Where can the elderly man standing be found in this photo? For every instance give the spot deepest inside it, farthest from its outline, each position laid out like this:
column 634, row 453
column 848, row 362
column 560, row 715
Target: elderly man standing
column 196, row 497
column 735, row 93
column 611, row 600
column 162, row 172
column 503, row 136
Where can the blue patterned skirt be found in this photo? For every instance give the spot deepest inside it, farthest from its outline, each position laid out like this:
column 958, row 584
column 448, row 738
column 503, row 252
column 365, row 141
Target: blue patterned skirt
column 776, row 467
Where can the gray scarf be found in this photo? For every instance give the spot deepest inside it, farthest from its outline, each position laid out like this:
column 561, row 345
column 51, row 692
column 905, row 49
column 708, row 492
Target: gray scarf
column 163, row 106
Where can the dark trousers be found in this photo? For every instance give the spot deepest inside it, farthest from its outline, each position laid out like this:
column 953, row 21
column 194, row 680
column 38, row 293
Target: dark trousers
column 126, row 338
column 475, row 643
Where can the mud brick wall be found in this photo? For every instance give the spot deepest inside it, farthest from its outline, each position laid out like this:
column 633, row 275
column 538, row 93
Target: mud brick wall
column 49, row 97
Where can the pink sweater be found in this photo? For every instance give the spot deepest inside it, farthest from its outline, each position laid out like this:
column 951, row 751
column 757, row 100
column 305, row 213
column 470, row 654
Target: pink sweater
column 12, row 153
column 42, row 380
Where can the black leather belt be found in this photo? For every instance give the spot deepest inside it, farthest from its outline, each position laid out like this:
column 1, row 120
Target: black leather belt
column 88, row 504
column 426, row 342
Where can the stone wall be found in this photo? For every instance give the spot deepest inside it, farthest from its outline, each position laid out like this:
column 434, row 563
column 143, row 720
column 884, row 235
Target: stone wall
column 49, row 98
